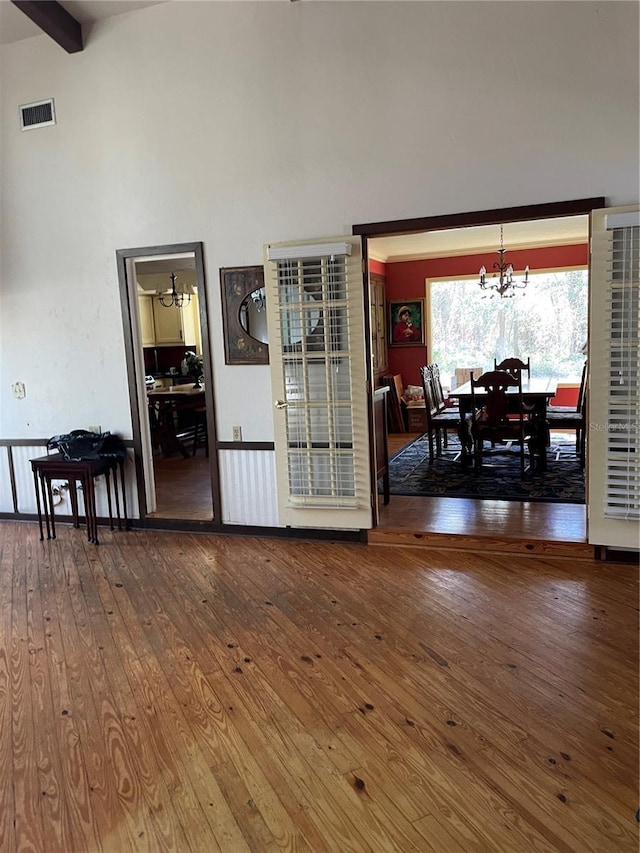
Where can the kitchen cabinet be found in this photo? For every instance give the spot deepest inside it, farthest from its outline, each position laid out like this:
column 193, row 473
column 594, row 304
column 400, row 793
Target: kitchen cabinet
column 168, row 324
column 161, row 326
column 147, row 328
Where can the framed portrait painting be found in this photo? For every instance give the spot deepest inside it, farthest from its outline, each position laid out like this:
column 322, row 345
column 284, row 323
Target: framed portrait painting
column 406, row 322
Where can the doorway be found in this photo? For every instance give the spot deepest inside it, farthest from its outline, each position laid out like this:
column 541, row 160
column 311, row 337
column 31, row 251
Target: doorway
column 455, row 516
column 165, row 318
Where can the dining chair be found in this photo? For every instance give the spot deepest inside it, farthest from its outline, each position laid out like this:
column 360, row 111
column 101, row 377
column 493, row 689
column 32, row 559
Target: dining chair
column 497, row 417
column 573, row 418
column 437, row 420
column 514, row 366
column 438, row 393
column 200, row 434
column 439, row 398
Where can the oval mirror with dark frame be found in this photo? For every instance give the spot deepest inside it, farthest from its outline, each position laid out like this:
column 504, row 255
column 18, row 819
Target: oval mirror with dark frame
column 244, row 315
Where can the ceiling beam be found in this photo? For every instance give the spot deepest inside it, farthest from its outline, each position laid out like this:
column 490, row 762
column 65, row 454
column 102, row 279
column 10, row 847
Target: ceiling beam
column 55, row 21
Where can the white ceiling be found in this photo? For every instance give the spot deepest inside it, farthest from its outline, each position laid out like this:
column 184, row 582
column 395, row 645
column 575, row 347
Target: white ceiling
column 566, row 230
column 165, row 264
column 15, row 26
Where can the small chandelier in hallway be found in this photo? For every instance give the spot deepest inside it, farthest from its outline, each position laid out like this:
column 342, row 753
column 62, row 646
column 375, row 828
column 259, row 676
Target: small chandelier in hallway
column 502, row 281
column 175, row 298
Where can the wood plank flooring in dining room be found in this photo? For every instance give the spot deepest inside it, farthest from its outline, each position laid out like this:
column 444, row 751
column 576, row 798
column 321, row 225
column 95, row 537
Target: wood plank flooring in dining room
column 192, row 692
column 463, row 522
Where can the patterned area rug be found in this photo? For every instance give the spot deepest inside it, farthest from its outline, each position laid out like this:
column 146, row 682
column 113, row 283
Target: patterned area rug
column 411, row 474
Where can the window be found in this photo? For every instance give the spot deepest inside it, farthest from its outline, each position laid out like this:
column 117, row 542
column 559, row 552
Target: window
column 317, row 377
column 546, row 322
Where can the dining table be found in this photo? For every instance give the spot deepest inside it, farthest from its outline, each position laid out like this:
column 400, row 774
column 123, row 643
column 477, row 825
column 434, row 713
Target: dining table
column 536, row 393
column 167, row 410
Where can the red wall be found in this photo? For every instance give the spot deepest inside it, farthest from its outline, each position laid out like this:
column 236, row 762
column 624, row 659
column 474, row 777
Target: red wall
column 566, row 395
column 406, row 281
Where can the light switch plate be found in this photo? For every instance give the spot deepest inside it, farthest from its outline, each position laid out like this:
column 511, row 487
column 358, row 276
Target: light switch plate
column 18, row 390
column 237, row 433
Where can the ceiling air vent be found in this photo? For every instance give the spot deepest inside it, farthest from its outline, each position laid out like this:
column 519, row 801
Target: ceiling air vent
column 40, row 114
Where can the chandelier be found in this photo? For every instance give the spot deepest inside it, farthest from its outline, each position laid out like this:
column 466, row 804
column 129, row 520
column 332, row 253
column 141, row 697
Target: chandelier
column 175, row 298
column 502, row 281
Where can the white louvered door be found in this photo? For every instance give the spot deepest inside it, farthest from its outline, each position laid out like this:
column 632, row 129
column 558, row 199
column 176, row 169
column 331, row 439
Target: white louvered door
column 614, row 388
column 318, row 380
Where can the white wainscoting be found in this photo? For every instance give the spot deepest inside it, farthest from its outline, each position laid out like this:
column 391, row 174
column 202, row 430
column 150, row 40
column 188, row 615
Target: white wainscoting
column 248, row 487
column 24, row 477
column 25, row 489
column 6, row 501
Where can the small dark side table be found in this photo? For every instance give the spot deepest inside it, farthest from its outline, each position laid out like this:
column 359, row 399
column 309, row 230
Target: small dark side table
column 56, row 467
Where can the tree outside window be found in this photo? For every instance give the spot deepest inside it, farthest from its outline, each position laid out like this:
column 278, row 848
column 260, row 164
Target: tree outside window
column 547, row 322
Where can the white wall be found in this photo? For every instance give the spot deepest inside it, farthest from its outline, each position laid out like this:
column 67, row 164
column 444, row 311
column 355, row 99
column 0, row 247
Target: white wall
column 242, row 123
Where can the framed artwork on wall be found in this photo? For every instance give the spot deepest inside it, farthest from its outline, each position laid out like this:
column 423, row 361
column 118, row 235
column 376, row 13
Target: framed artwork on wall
column 406, row 322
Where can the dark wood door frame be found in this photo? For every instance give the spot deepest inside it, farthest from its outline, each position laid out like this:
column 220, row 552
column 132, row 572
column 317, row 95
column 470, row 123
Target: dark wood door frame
column 550, row 210
column 128, row 318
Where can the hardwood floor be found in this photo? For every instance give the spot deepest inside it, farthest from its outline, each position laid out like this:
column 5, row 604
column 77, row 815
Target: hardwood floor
column 404, row 519
column 183, row 488
column 185, row 692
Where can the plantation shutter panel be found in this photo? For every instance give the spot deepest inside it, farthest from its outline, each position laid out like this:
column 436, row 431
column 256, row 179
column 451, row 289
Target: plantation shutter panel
column 315, row 310
column 614, row 368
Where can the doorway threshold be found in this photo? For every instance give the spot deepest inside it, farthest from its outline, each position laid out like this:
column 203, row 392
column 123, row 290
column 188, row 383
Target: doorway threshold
column 525, row 527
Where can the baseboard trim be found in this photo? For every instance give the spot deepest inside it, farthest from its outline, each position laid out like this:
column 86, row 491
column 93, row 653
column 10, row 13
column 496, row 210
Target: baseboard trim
column 190, row 526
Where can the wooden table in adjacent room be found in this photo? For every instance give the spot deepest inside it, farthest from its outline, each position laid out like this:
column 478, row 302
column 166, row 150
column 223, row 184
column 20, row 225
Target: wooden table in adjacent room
column 166, row 407
column 56, row 467
column 536, row 394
